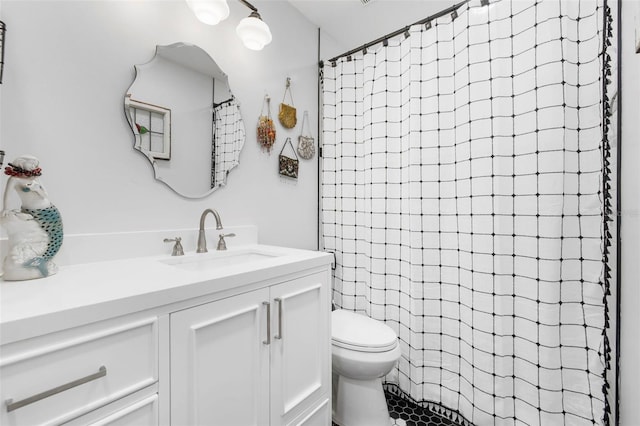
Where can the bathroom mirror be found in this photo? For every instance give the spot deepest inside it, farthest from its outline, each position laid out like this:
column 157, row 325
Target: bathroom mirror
column 185, row 119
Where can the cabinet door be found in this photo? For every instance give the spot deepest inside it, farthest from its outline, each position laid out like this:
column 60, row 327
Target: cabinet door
column 220, row 363
column 301, row 350
column 320, row 415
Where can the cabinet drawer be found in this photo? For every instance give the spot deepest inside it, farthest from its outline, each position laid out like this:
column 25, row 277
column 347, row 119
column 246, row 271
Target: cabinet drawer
column 138, row 409
column 143, row 412
column 52, row 383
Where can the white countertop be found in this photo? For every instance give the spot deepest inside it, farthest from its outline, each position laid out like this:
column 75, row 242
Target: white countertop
column 94, row 291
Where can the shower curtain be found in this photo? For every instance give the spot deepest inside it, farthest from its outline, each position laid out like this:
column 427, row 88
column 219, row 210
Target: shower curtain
column 228, row 134
column 465, row 195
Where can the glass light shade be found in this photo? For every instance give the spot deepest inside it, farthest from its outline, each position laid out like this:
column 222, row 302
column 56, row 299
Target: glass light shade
column 254, row 33
column 209, row 12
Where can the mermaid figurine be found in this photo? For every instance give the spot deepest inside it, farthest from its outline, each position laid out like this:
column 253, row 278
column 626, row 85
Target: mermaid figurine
column 35, row 231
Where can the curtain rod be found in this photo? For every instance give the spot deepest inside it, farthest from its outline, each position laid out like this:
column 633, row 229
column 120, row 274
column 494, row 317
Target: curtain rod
column 403, row 30
column 216, row 105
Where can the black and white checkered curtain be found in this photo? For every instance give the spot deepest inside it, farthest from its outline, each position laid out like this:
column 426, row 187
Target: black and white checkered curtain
column 228, row 136
column 465, row 195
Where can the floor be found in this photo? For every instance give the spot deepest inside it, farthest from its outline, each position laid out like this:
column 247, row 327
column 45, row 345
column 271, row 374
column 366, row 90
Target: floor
column 406, row 413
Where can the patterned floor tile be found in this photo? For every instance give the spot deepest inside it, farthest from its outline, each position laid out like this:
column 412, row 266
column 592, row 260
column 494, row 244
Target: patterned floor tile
column 406, row 413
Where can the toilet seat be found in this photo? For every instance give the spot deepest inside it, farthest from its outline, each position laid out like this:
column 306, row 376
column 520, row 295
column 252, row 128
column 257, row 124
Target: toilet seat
column 360, row 333
column 364, row 348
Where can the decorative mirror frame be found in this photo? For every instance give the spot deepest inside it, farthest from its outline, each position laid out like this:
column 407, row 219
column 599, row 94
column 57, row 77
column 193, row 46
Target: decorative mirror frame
column 172, row 152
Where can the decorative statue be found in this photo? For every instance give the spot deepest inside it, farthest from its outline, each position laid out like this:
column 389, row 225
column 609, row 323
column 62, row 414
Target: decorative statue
column 35, row 231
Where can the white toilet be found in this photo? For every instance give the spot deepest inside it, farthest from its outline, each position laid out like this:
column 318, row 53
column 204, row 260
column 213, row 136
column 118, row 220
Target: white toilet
column 363, row 351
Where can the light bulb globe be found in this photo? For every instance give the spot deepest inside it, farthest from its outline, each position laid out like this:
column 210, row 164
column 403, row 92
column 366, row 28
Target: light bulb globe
column 210, row 12
column 253, row 32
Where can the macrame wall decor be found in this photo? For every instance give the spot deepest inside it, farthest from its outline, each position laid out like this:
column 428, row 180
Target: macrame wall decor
column 266, row 128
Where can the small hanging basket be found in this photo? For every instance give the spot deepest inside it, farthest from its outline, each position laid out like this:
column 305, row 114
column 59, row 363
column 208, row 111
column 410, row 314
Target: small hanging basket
column 266, row 128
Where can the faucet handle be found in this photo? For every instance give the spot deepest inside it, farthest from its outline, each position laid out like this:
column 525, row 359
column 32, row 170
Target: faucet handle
column 177, row 247
column 222, row 244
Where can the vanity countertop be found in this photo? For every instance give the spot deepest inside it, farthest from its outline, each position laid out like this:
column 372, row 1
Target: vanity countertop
column 90, row 292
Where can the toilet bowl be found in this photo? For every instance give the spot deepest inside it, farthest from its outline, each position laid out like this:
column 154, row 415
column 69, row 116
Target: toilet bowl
column 363, row 351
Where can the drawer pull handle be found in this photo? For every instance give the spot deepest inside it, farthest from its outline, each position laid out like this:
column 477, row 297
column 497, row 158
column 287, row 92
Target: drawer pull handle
column 268, row 341
column 19, row 404
column 279, row 302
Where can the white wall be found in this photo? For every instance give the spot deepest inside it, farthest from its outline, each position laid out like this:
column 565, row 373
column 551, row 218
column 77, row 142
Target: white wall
column 68, row 66
column 348, row 24
column 630, row 217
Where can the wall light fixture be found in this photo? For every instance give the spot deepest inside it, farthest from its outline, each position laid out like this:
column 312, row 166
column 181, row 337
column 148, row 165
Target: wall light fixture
column 252, row 30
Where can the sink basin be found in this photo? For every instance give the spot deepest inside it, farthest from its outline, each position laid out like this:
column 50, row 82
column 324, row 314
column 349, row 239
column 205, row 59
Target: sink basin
column 217, row 260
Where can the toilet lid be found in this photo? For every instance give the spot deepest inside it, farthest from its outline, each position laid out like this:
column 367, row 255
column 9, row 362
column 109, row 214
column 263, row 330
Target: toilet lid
column 359, row 332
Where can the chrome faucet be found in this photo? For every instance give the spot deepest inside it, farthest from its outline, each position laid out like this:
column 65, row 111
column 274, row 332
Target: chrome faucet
column 202, row 239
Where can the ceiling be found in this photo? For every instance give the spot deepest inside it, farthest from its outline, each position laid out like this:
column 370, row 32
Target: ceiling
column 351, row 24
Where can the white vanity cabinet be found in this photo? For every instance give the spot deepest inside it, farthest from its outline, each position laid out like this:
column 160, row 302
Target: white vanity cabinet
column 258, row 358
column 142, row 342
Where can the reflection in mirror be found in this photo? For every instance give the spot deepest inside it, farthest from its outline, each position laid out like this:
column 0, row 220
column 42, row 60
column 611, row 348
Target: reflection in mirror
column 185, row 119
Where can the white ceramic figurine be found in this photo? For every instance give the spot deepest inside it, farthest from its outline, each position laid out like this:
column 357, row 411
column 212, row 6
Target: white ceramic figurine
column 35, row 231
